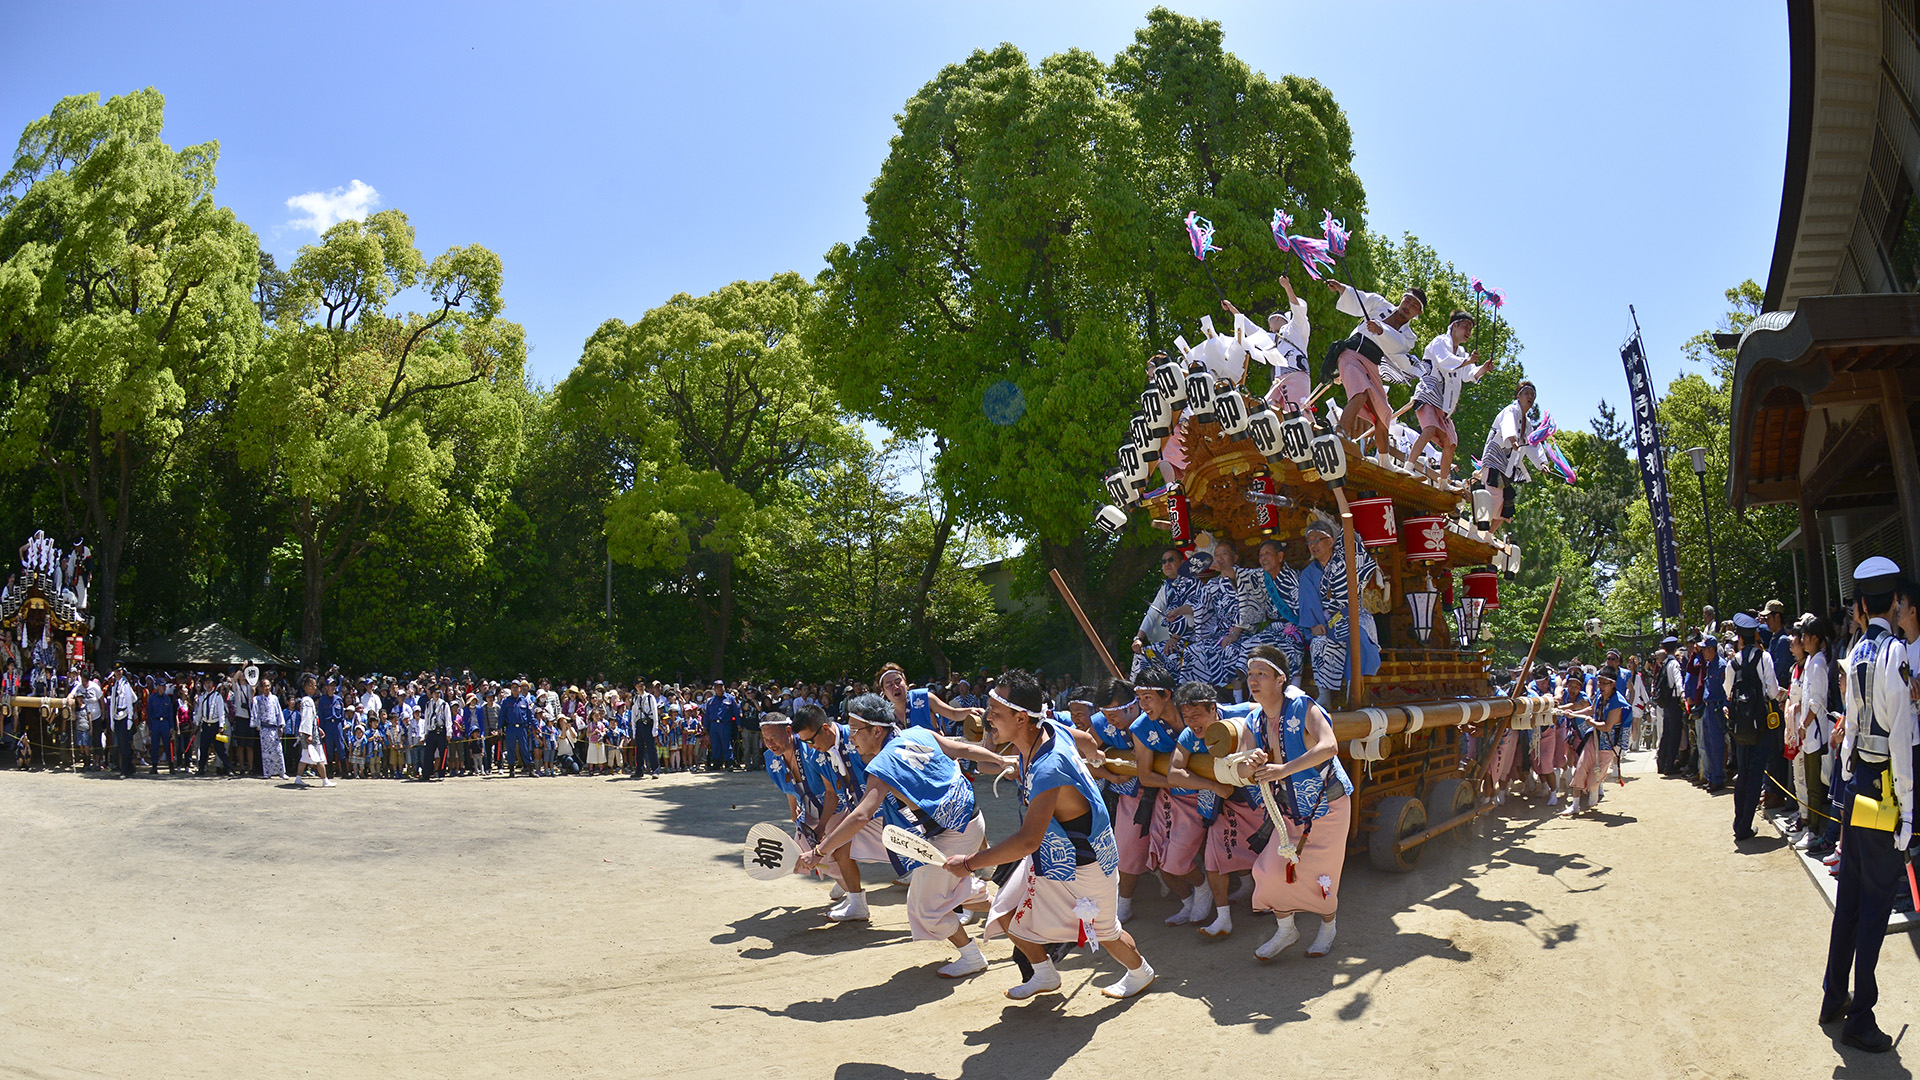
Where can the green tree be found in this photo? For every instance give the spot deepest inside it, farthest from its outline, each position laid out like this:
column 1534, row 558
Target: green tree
column 1024, row 254
column 709, row 401
column 838, row 588
column 125, row 307
column 1697, row 410
column 362, row 415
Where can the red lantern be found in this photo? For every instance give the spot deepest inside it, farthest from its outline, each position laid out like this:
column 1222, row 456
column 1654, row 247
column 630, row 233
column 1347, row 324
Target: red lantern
column 1264, row 515
column 76, row 651
column 1483, row 585
column 1182, row 521
column 1425, row 538
column 1373, row 522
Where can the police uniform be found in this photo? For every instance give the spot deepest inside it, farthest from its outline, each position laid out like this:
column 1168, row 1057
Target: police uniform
column 1876, row 764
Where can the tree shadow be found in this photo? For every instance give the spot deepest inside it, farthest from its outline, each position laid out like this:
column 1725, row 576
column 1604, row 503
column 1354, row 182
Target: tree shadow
column 1032, row 1040
column 806, row 931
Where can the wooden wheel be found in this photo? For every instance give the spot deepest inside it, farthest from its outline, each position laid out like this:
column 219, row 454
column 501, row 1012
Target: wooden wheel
column 1450, row 798
column 1396, row 817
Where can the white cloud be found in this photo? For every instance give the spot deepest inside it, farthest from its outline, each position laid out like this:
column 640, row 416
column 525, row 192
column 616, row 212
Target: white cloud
column 325, row 209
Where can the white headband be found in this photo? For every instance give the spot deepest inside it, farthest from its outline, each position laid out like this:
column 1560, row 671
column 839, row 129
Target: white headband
column 1277, row 669
column 995, row 695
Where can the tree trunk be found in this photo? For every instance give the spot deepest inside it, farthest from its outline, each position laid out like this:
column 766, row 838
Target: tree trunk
column 723, row 614
column 922, row 626
column 106, row 585
column 112, row 534
column 1101, row 603
column 314, row 569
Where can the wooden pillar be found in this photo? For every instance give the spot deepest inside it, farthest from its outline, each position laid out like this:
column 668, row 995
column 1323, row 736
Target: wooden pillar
column 1816, row 551
column 1906, row 466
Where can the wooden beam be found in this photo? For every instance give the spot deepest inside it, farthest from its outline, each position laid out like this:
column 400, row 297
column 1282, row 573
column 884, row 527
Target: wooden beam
column 1811, row 543
column 1859, row 443
column 1906, row 467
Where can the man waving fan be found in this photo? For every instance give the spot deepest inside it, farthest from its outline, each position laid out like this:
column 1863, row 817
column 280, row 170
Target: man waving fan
column 1065, row 889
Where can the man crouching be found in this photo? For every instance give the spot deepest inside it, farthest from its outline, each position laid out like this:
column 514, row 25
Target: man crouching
column 1065, row 889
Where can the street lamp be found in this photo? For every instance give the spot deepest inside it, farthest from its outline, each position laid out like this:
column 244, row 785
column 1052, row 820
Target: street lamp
column 1699, row 456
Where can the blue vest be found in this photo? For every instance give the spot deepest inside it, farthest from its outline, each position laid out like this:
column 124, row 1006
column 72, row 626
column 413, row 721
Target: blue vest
column 1160, row 739
column 1301, row 795
column 913, row 765
column 1114, row 737
column 778, row 772
column 1056, row 763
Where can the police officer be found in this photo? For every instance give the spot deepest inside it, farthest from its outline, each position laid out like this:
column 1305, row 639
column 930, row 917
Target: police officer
column 1750, row 685
column 721, row 713
column 515, row 711
column 1876, row 767
column 332, row 713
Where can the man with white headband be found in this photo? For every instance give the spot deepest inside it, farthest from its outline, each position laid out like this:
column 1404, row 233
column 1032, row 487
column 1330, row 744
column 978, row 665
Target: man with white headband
column 1175, row 833
column 1112, row 725
column 1063, row 889
column 1232, row 814
column 833, row 779
column 1325, row 615
column 1296, row 753
column 913, row 783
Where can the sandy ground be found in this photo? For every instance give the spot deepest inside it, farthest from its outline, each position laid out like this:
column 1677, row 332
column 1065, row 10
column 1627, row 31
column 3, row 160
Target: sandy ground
column 587, row 927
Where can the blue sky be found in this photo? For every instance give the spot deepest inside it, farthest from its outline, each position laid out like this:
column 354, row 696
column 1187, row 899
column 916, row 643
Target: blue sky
column 1580, row 157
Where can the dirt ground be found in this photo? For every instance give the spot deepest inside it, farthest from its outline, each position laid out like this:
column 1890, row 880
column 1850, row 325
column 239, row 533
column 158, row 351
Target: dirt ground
column 482, row 927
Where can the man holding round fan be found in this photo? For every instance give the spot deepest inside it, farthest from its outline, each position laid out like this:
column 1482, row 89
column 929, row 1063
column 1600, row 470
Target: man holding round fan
column 1065, row 886
column 913, row 784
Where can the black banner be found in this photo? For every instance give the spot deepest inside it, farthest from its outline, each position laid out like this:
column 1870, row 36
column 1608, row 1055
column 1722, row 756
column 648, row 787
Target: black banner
column 1653, row 471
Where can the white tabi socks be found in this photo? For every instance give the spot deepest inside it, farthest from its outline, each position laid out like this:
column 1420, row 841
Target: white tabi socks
column 1185, row 914
column 1283, row 938
column 837, row 891
column 851, row 908
column 1323, row 941
column 1222, row 923
column 1134, row 981
column 1045, row 980
column 970, row 961
column 1124, row 911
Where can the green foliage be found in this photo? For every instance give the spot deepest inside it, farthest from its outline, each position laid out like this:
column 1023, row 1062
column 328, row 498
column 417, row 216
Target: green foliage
column 846, row 549
column 125, row 306
column 1025, row 232
column 360, row 416
column 1697, row 410
column 706, row 403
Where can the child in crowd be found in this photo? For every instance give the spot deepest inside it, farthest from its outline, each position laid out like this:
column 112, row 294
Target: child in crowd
column 357, row 748
column 596, row 743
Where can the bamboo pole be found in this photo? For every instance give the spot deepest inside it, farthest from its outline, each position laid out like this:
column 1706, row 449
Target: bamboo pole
column 1086, row 626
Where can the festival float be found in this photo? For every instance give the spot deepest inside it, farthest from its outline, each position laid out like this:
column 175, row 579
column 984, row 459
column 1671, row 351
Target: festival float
column 1255, row 471
column 43, row 629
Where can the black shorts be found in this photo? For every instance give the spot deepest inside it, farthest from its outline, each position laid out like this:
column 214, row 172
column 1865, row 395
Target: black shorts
column 1505, row 486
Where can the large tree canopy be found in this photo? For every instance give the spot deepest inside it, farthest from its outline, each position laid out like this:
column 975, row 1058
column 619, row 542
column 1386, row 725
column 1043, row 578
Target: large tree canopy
column 709, row 402
column 361, row 415
column 1025, row 254
column 125, row 307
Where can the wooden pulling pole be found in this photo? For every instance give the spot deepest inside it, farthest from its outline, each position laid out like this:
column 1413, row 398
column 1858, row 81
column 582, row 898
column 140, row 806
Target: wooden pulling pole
column 1086, row 627
column 1485, row 756
column 1545, row 613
